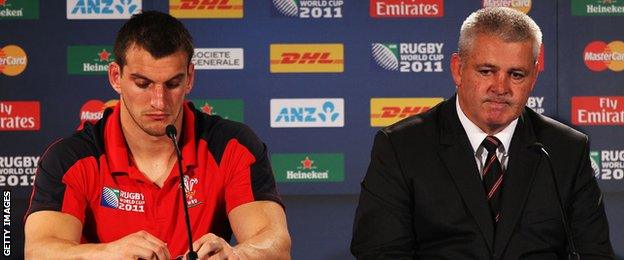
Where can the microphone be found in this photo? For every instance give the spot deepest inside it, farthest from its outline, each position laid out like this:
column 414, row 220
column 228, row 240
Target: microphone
column 572, row 253
column 172, row 134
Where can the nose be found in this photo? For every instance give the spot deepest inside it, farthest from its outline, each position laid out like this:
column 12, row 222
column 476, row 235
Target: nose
column 501, row 84
column 158, row 97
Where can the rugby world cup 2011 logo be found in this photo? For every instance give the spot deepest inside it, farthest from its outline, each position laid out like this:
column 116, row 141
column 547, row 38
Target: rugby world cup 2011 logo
column 386, row 55
column 408, row 57
column 287, row 7
column 122, row 200
column 110, row 198
column 309, row 8
column 594, row 157
column 608, row 165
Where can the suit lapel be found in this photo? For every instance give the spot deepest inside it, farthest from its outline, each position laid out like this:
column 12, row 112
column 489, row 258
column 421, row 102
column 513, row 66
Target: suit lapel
column 519, row 177
column 457, row 155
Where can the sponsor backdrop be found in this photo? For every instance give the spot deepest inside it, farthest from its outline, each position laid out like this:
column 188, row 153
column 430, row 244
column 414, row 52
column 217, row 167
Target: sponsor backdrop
column 314, row 78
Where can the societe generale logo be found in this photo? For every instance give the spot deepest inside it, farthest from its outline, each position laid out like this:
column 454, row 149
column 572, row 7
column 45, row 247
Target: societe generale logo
column 292, row 58
column 520, row 5
column 387, row 111
column 13, row 60
column 20, row 116
column 93, row 110
column 594, row 110
column 599, row 56
column 406, row 8
column 206, row 8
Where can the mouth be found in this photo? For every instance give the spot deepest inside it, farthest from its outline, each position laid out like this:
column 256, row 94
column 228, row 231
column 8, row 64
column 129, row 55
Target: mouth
column 497, row 104
column 157, row 116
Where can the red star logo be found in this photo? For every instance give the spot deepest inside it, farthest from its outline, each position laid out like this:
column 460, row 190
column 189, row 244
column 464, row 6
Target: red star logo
column 207, row 109
column 2, row 2
column 104, row 55
column 307, row 163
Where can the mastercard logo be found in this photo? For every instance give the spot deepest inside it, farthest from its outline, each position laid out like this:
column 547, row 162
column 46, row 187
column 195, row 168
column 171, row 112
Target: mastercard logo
column 13, row 60
column 599, row 56
column 520, row 5
column 93, row 110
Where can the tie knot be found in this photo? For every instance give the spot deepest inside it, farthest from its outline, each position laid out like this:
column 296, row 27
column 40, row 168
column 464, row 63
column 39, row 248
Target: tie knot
column 491, row 143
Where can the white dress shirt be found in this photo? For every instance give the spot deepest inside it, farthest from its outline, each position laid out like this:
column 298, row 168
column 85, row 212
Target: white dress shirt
column 476, row 136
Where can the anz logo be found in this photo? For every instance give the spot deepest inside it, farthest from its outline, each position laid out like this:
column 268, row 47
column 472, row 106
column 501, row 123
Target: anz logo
column 314, row 112
column 102, row 9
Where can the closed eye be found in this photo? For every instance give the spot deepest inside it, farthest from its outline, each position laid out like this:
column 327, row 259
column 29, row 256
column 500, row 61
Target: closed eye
column 486, row 72
column 517, row 75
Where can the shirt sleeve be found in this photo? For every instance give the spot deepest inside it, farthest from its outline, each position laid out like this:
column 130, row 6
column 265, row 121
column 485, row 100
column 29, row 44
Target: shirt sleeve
column 58, row 186
column 250, row 176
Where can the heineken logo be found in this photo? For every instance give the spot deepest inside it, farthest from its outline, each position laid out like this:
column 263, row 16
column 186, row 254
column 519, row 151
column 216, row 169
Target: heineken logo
column 598, row 7
column 308, row 167
column 89, row 60
column 19, row 9
column 232, row 109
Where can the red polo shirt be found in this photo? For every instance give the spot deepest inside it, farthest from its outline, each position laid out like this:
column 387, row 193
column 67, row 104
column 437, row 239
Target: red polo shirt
column 92, row 177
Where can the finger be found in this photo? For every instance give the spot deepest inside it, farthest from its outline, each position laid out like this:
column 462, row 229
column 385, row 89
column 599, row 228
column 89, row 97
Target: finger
column 152, row 243
column 140, row 252
column 225, row 254
column 209, row 248
column 197, row 244
column 142, row 240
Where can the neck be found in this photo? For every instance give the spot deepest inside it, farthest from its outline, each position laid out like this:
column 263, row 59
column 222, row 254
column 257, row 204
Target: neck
column 153, row 155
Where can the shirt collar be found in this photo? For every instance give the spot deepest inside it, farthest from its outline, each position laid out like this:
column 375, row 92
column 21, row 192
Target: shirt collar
column 476, row 135
column 117, row 149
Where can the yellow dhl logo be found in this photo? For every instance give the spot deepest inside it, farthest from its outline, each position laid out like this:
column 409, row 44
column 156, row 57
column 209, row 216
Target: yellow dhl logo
column 387, row 111
column 206, row 8
column 292, row 58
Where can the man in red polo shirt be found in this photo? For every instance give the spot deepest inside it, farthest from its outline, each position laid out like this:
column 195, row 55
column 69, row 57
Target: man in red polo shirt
column 111, row 190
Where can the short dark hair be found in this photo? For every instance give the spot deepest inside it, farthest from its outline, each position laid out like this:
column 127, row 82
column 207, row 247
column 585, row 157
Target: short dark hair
column 158, row 33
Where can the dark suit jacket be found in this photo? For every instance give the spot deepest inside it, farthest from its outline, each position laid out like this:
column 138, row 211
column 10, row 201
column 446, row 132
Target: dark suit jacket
column 422, row 197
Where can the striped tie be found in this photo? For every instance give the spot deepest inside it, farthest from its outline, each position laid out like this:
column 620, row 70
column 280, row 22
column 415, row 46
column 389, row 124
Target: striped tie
column 493, row 176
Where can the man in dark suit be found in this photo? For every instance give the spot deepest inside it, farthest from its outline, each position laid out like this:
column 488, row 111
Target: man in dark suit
column 470, row 179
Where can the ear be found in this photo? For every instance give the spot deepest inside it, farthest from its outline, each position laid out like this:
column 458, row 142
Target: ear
column 456, row 66
column 191, row 78
column 114, row 76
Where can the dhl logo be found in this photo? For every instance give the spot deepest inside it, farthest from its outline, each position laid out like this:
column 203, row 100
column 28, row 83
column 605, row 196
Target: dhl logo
column 400, row 112
column 307, row 58
column 387, row 111
column 206, row 8
column 292, row 58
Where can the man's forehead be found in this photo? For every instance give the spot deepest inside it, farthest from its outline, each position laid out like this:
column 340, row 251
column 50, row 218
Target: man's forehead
column 140, row 64
column 494, row 51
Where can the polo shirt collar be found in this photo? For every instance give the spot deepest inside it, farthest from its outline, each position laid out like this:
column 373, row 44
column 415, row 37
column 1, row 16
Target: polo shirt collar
column 117, row 150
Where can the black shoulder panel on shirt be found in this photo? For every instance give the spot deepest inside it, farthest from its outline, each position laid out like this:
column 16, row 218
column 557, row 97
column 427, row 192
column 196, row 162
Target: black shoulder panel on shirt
column 58, row 159
column 217, row 132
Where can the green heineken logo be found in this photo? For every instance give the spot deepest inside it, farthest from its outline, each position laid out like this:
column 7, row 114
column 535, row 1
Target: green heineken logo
column 308, row 167
column 231, row 109
column 19, row 9
column 595, row 159
column 597, row 7
column 89, row 60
